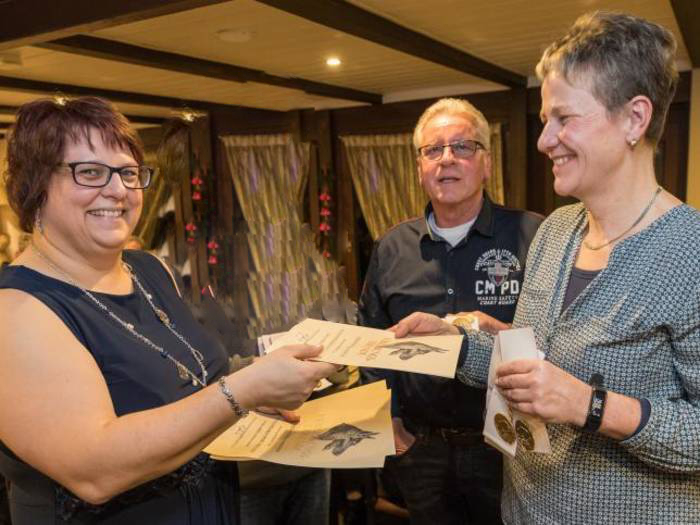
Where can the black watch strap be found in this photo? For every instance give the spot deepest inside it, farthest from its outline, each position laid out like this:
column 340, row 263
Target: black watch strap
column 597, row 404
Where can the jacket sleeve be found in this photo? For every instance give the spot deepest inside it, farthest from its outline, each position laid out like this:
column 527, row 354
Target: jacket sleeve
column 373, row 314
column 670, row 441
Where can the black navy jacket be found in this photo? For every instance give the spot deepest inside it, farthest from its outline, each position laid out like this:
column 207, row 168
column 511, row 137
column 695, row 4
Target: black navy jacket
column 414, row 270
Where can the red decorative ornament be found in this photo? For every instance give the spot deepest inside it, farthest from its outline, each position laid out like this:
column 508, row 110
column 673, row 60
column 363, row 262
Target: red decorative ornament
column 324, row 227
column 213, row 248
column 326, row 254
column 197, row 180
column 196, row 196
column 325, row 212
column 324, row 197
column 191, row 229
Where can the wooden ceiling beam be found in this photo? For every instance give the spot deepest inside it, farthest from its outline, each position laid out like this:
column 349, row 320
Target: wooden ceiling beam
column 28, row 22
column 142, row 56
column 134, row 119
column 348, row 18
column 129, row 97
column 689, row 24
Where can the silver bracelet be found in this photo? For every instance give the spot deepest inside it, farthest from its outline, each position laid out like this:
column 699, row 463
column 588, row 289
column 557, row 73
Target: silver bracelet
column 237, row 408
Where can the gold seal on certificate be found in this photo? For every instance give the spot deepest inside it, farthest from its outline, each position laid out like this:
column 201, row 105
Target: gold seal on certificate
column 504, row 427
column 524, row 435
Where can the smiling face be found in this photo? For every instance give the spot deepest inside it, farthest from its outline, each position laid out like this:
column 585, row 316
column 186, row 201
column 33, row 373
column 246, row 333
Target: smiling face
column 85, row 220
column 585, row 142
column 452, row 182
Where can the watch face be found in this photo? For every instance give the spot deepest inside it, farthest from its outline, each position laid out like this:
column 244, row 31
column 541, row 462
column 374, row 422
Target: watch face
column 597, row 405
column 524, row 434
column 504, row 427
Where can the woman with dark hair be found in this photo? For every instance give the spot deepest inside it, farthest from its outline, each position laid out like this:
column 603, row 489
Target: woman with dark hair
column 612, row 293
column 110, row 389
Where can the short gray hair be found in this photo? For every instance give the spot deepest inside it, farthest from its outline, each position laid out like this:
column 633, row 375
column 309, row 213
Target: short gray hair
column 622, row 56
column 455, row 107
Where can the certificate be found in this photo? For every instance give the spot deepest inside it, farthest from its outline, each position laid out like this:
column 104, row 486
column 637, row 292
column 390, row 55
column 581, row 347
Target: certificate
column 359, row 346
column 507, row 429
column 350, row 429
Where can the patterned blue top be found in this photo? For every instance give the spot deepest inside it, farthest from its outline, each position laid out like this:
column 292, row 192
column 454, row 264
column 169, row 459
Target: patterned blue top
column 637, row 323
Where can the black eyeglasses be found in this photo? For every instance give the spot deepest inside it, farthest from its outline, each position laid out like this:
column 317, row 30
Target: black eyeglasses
column 462, row 149
column 98, row 175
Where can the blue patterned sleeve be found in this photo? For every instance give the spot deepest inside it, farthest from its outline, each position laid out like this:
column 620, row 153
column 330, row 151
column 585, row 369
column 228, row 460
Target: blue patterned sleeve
column 670, row 441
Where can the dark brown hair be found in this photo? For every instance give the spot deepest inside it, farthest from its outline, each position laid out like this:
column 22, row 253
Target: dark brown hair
column 623, row 56
column 37, row 141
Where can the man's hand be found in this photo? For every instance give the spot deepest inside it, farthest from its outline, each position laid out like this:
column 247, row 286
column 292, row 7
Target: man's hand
column 486, row 322
column 420, row 323
column 403, row 439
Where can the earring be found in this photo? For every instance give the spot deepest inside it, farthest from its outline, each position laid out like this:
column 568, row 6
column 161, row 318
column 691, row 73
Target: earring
column 632, row 143
column 37, row 222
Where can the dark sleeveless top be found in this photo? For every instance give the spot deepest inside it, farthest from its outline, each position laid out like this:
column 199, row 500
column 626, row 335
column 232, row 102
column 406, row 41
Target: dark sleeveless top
column 201, row 492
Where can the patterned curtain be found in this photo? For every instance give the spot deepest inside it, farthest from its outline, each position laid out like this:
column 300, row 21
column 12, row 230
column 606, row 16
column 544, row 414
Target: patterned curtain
column 385, row 177
column 289, row 279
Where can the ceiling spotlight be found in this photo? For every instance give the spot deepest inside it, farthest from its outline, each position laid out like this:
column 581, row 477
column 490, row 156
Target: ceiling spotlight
column 189, row 115
column 236, row 36
column 60, row 99
column 333, row 62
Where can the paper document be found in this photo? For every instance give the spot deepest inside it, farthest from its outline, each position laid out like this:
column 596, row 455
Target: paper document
column 506, row 429
column 359, row 346
column 350, row 429
column 265, row 346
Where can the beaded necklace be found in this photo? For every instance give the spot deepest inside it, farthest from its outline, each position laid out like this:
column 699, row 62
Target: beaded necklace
column 183, row 371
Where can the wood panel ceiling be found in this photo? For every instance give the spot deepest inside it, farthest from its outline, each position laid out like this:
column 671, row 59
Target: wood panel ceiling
column 510, row 34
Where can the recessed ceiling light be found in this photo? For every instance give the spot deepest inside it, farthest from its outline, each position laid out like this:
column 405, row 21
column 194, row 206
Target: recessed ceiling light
column 235, row 35
column 333, row 62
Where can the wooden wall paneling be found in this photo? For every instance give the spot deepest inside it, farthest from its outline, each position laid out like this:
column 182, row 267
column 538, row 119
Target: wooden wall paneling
column 672, row 153
column 328, row 166
column 200, row 137
column 180, row 248
column 346, row 236
column 515, row 151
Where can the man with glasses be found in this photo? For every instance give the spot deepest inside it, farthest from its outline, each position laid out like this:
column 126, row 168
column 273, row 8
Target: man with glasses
column 466, row 254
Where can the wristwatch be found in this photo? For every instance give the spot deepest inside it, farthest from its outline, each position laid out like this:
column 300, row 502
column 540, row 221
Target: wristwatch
column 597, row 404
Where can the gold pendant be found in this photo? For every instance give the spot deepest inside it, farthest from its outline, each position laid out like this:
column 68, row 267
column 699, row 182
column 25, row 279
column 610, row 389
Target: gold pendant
column 183, row 372
column 504, row 427
column 524, row 434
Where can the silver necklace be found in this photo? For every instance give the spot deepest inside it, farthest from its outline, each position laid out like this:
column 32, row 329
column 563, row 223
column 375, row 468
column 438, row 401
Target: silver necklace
column 183, row 371
column 639, row 219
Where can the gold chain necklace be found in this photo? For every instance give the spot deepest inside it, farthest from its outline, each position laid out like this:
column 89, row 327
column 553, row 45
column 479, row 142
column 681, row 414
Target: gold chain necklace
column 639, row 219
column 183, row 371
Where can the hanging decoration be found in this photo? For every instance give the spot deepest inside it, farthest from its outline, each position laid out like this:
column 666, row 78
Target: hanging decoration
column 191, row 232
column 197, row 182
column 326, row 214
column 212, row 249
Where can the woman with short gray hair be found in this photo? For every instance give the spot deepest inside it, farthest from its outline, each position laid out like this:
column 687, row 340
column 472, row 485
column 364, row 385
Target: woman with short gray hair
column 612, row 293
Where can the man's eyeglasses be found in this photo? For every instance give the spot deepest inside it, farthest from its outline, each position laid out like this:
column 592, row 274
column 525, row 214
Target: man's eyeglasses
column 98, row 175
column 462, row 149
